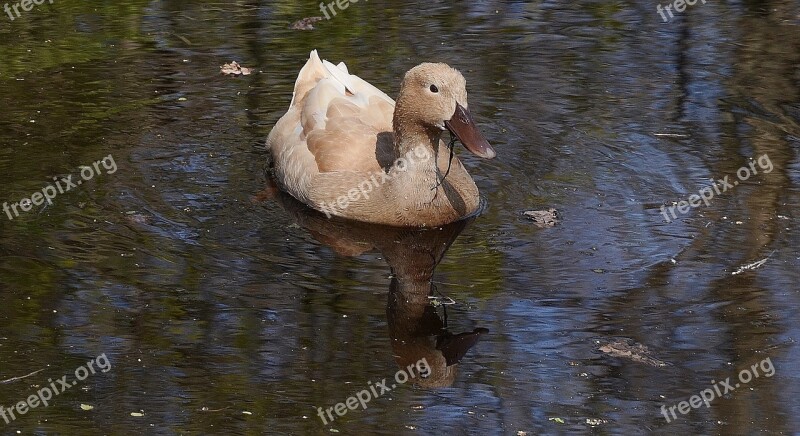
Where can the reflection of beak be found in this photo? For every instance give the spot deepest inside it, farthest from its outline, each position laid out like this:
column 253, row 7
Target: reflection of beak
column 463, row 127
column 454, row 347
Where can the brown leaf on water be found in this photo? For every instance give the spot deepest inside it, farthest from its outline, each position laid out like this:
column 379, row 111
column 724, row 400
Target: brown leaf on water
column 234, row 69
column 543, row 218
column 305, row 24
column 629, row 349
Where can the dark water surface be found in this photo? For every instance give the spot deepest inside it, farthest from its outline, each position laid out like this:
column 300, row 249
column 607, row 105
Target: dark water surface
column 224, row 309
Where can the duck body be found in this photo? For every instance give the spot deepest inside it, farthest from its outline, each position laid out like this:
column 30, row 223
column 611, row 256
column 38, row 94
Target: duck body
column 347, row 149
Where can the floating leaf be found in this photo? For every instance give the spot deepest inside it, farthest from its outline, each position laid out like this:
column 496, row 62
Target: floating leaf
column 234, row 69
column 628, row 349
column 305, row 24
column 86, row 407
column 543, row 218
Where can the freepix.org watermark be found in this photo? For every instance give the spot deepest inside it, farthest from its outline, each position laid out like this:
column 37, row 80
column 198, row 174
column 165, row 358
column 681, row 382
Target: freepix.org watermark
column 361, row 399
column 61, row 186
column 721, row 389
column 722, row 185
column 679, row 5
column 25, row 5
column 418, row 154
column 332, row 6
column 45, row 394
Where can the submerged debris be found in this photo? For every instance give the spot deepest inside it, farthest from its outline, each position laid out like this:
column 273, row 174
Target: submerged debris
column 305, row 24
column 440, row 301
column 234, row 69
column 134, row 217
column 543, row 218
column 629, row 349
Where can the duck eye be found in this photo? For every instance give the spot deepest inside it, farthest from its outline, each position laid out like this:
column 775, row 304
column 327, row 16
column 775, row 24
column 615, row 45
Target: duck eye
column 434, row 89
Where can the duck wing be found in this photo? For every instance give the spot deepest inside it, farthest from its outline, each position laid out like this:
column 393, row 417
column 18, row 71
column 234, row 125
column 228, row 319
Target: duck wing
column 343, row 121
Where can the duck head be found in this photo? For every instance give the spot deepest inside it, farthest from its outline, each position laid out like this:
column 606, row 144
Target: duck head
column 432, row 99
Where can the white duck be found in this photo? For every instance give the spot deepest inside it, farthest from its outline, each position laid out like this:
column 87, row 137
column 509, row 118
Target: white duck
column 345, row 148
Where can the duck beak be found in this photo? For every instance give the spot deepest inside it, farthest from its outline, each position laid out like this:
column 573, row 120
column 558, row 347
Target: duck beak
column 463, row 127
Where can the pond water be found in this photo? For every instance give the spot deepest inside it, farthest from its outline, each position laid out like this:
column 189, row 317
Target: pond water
column 208, row 303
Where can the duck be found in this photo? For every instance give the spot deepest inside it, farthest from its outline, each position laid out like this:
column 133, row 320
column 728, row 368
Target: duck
column 347, row 149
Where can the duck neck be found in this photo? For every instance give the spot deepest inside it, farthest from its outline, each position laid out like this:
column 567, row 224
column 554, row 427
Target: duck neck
column 410, row 135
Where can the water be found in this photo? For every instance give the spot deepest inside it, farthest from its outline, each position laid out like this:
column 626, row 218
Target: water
column 225, row 309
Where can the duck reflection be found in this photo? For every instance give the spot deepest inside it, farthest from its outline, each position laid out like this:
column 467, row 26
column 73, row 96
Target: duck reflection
column 417, row 330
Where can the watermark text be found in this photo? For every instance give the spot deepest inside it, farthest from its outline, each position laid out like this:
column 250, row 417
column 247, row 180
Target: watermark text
column 25, row 5
column 679, row 5
column 721, row 389
column 61, row 186
column 45, row 394
column 722, row 185
column 363, row 397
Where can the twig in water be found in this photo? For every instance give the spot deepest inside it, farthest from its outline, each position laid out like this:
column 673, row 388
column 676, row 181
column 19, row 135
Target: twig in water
column 671, row 135
column 13, row 379
column 753, row 265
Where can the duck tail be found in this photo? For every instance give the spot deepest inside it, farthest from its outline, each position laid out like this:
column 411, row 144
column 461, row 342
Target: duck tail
column 313, row 71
